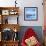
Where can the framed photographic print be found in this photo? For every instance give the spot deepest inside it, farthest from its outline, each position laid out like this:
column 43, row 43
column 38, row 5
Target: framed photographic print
column 30, row 13
column 5, row 12
column 13, row 12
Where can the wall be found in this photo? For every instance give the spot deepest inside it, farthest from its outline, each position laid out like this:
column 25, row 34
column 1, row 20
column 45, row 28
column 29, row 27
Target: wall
column 26, row 3
column 37, row 29
column 30, row 3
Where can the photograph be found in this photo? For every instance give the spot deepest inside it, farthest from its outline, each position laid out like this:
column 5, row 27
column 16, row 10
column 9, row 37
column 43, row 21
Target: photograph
column 30, row 13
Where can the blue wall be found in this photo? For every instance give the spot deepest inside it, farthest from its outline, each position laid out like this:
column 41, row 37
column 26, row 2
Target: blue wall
column 37, row 29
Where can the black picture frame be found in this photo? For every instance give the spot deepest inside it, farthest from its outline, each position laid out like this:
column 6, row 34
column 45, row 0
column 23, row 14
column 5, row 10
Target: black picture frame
column 30, row 13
